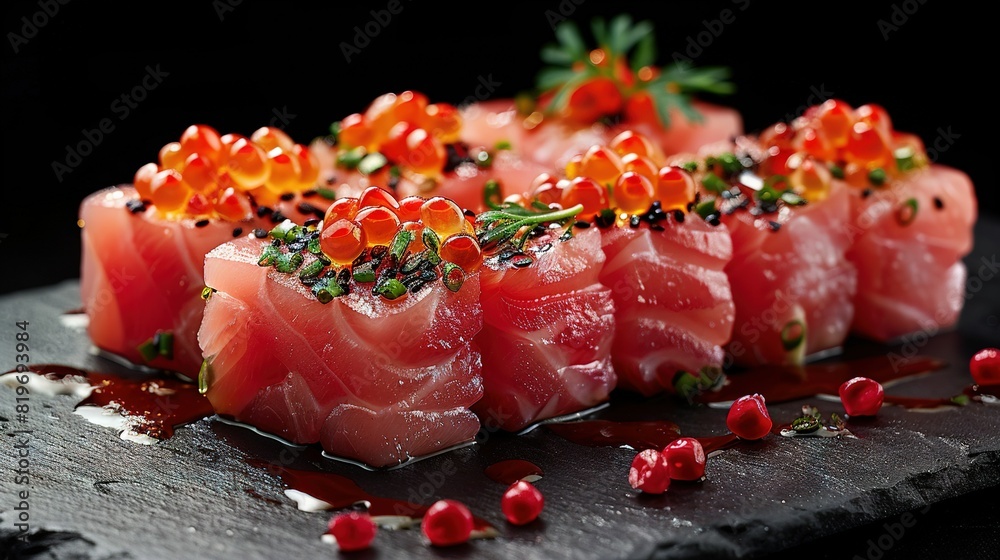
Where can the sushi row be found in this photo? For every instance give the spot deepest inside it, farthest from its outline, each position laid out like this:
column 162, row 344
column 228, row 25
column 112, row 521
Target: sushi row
column 424, row 270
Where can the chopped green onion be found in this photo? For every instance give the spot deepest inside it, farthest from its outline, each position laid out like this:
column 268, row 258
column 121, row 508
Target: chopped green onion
column 690, row 166
column 372, row 163
column 399, row 243
column 327, row 289
column 311, row 270
column 730, row 163
column 431, row 240
column 905, row 158
column 328, row 194
column 289, row 262
column 364, row 272
column 837, row 171
column 206, row 292
column 390, row 289
column 790, row 197
column 805, row 424
column 705, row 208
column 165, row 344
column 270, row 256
column 793, row 334
column 284, row 231
column 349, row 159
column 484, row 159
column 204, row 373
column 314, row 247
column 712, row 182
column 453, row 276
column 907, row 212
column 877, row 176
column 335, row 131
column 148, row 350
column 961, row 400
column 502, row 145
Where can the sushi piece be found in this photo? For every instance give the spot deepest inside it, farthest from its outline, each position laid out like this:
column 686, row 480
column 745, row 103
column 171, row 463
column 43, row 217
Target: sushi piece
column 792, row 283
column 144, row 245
column 910, row 220
column 357, row 334
column 548, row 324
column 413, row 148
column 589, row 96
column 663, row 264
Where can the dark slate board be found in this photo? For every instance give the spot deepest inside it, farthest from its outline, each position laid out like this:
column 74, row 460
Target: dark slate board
column 94, row 495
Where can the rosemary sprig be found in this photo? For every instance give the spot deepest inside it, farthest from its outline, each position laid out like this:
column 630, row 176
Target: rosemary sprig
column 495, row 227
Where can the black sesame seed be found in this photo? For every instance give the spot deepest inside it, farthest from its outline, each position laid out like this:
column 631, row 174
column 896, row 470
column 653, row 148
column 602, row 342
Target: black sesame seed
column 201, row 223
column 866, row 193
column 938, row 203
column 543, row 248
column 678, row 216
column 135, row 206
column 307, row 209
column 633, row 222
column 259, row 233
column 657, row 227
column 263, row 211
column 522, row 261
column 277, row 217
column 311, row 222
column 713, row 220
column 469, row 213
column 775, row 226
column 582, row 224
column 309, row 193
column 331, row 180
column 287, row 196
column 237, row 232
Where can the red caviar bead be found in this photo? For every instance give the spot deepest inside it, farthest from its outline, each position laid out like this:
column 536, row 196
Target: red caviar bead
column 674, row 188
column 642, row 165
column 601, row 165
column 353, row 531
column 394, row 146
column 172, row 156
column 426, row 153
column 594, row 99
column 308, row 167
column 354, row 132
column 780, row 135
column 875, row 116
column 811, row 179
column 443, row 216
column 341, row 209
column 248, row 165
column 686, row 459
column 640, row 109
column 447, row 523
column 199, row 174
column 443, row 121
column 861, row 396
column 143, row 178
column 545, row 189
column 866, row 146
column 343, row 241
column 167, row 191
column 748, row 417
column 633, row 193
column 650, row 472
column 777, row 159
column 379, row 224
column 197, row 205
column 203, row 140
column 285, row 171
column 380, row 115
column 409, row 208
column 836, row 119
column 269, row 138
column 574, row 166
column 630, row 142
column 410, row 106
column 585, row 191
column 522, row 503
column 232, row 205
column 985, row 367
column 377, row 196
column 463, row 250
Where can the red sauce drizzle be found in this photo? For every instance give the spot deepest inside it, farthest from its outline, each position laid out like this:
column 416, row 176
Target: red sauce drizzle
column 153, row 406
column 510, row 471
column 342, row 493
column 789, row 383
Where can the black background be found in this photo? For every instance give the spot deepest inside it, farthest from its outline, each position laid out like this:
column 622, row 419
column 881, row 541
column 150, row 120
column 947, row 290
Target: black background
column 239, row 70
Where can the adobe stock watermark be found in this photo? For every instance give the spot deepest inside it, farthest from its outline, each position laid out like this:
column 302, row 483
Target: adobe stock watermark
column 894, row 532
column 121, row 107
column 817, row 95
column 695, row 45
column 225, row 7
column 365, row 33
column 898, row 16
column 563, row 11
column 32, row 24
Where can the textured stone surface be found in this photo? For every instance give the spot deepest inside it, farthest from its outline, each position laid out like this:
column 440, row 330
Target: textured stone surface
column 93, row 495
